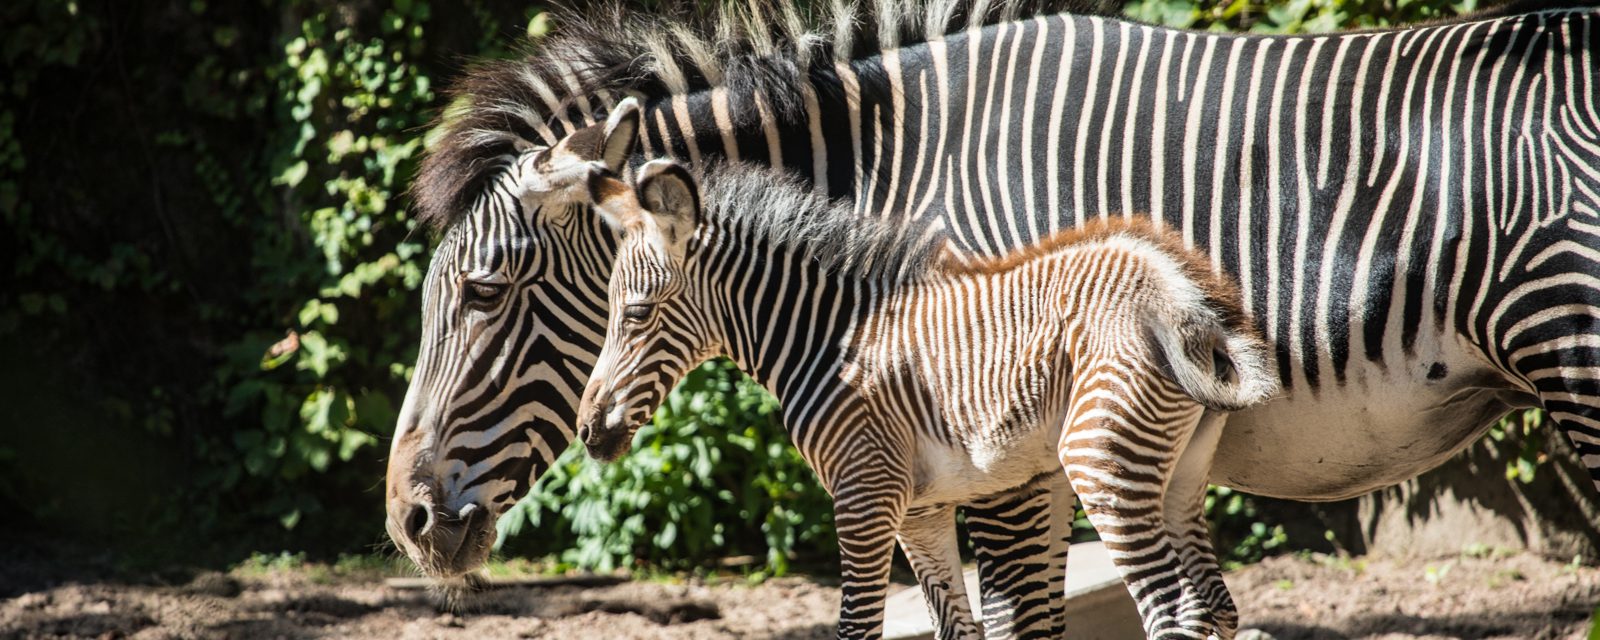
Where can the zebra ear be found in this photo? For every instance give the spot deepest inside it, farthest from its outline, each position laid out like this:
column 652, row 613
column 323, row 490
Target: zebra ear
column 613, row 201
column 621, row 134
column 607, row 143
column 670, row 194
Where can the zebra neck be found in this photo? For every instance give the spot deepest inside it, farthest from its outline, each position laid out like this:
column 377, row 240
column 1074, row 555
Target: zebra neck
column 782, row 318
column 819, row 129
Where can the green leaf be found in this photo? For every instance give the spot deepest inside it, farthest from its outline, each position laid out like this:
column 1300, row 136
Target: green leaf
column 292, row 175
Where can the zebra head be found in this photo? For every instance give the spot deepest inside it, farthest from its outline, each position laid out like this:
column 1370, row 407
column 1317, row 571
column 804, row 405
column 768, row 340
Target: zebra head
column 513, row 304
column 654, row 334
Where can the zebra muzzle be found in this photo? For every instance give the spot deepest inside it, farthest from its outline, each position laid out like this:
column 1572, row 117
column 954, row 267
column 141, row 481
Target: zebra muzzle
column 604, row 434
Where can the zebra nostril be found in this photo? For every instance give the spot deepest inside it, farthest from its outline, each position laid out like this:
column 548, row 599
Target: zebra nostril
column 583, row 433
column 417, row 521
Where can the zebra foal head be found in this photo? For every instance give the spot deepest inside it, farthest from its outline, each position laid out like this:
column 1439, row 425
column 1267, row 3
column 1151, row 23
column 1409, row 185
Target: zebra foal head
column 655, row 334
column 513, row 304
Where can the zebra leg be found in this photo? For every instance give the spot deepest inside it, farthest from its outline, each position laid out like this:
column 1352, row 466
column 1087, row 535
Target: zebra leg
column 1187, row 526
column 928, row 537
column 867, row 528
column 869, row 476
column 1119, row 455
column 1574, row 406
column 1020, row 540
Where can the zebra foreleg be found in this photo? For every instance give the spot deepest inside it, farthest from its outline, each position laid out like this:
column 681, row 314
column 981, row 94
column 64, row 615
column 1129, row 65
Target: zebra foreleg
column 870, row 479
column 929, row 540
column 1186, row 522
column 1020, row 541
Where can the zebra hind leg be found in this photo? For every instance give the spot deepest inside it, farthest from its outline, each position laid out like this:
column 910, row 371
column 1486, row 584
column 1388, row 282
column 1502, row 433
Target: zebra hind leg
column 1121, row 480
column 929, row 540
column 1187, row 526
column 1020, row 541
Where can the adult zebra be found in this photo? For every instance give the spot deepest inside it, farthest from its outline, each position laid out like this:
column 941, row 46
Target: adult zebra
column 1412, row 214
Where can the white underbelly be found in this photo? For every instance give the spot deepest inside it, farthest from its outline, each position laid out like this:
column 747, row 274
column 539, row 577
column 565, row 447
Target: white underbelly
column 947, row 474
column 1380, row 428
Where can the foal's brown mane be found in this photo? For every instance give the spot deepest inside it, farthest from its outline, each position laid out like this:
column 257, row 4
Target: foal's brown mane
column 1222, row 293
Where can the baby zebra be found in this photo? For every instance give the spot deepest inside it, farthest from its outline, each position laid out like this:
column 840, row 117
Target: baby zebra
column 913, row 381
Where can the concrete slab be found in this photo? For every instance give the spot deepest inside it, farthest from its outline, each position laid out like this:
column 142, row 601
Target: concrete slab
column 1098, row 605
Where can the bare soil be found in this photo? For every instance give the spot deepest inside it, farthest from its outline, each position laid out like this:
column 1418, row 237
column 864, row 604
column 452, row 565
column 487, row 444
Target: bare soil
column 1291, row 598
column 1497, row 596
column 289, row 604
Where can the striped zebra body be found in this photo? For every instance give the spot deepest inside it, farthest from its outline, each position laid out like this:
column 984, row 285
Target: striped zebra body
column 1411, row 212
column 919, row 385
column 1387, row 199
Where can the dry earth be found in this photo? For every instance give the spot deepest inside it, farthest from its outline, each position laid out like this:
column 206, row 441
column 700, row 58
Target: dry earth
column 1515, row 596
column 1519, row 596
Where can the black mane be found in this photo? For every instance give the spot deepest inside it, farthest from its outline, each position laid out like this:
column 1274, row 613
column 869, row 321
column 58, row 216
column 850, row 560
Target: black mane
column 765, row 204
column 615, row 48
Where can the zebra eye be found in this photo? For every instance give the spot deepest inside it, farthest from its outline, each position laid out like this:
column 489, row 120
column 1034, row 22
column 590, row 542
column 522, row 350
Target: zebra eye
column 637, row 312
column 482, row 295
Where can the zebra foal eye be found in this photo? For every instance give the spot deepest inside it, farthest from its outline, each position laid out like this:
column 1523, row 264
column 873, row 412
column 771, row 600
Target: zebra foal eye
column 637, row 312
column 481, row 295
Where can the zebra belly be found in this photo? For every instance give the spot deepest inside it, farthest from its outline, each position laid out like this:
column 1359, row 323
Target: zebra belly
column 1384, row 426
column 948, row 474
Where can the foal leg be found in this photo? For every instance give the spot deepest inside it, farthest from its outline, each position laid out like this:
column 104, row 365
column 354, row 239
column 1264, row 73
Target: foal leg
column 928, row 537
column 867, row 518
column 1120, row 448
column 868, row 472
column 1020, row 540
column 1186, row 522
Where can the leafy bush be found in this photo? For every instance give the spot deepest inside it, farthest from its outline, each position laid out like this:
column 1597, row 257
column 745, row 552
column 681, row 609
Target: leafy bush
column 258, row 257
column 1242, row 534
column 705, row 476
column 1294, row 16
column 347, row 99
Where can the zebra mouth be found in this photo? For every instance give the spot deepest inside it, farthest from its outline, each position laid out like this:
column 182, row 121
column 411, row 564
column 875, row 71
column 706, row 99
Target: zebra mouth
column 608, row 445
column 473, row 542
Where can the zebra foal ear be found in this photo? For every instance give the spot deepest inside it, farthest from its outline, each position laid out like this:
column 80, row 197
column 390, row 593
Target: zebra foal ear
column 614, row 201
column 669, row 193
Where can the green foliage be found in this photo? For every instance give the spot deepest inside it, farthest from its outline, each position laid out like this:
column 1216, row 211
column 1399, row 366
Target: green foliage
column 1294, row 16
column 226, row 181
column 1242, row 534
column 712, row 470
column 347, row 100
column 1523, row 426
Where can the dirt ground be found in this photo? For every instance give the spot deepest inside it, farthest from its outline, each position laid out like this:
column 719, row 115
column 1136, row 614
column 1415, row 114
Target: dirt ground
column 1291, row 598
column 1491, row 596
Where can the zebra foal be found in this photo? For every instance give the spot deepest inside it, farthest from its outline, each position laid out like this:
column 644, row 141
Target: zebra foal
column 925, row 382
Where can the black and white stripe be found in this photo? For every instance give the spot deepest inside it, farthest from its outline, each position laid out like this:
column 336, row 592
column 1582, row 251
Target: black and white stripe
column 1413, row 213
column 912, row 385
